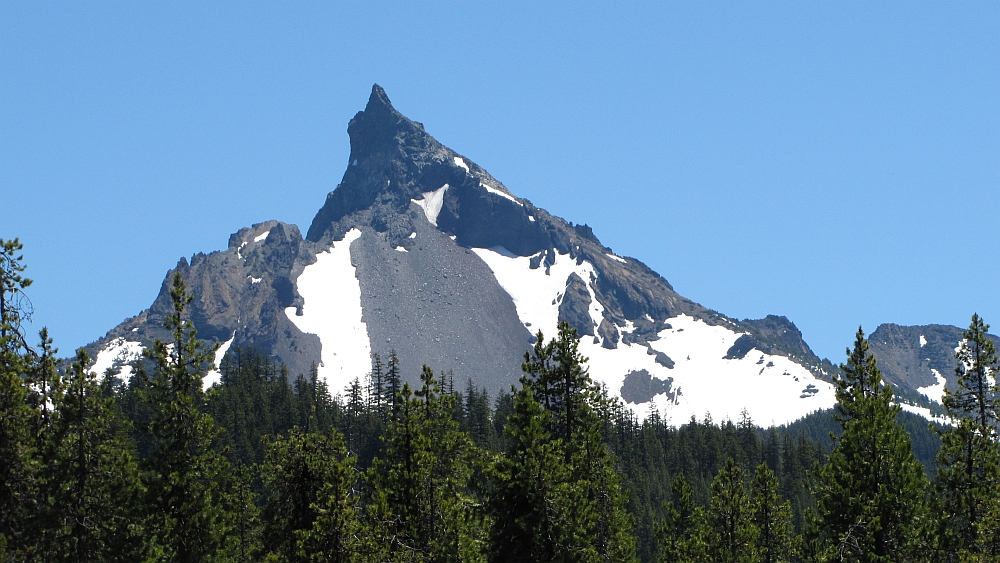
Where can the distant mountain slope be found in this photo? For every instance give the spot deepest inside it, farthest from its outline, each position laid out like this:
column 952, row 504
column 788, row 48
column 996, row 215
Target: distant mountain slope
column 420, row 250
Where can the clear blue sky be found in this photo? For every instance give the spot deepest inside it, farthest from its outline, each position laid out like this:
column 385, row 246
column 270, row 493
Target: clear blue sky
column 837, row 163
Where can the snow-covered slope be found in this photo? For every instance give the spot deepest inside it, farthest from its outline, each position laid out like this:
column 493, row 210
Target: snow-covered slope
column 332, row 311
column 701, row 379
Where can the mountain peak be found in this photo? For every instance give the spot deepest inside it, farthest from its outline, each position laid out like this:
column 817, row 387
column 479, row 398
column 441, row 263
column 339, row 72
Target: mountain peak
column 378, row 99
column 389, row 153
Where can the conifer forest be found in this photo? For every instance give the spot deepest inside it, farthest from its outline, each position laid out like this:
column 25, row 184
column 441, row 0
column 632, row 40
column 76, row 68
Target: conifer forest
column 273, row 466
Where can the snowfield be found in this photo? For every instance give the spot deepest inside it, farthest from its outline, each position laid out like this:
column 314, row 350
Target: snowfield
column 504, row 195
column 118, row 353
column 431, row 203
column 537, row 295
column 332, row 311
column 617, row 258
column 215, row 376
column 773, row 389
column 935, row 392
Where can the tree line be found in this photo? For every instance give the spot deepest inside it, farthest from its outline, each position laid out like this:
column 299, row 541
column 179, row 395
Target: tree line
column 266, row 467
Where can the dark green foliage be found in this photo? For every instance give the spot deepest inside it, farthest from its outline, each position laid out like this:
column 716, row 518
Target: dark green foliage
column 310, row 483
column 422, row 507
column 653, row 454
column 187, row 480
column 558, row 495
column 870, row 491
column 18, row 464
column 772, row 518
column 821, row 427
column 679, row 534
column 729, row 519
column 90, row 483
column 252, row 399
column 969, row 461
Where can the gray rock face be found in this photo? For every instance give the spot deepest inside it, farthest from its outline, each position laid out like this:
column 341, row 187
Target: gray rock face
column 907, row 354
column 240, row 294
column 640, row 387
column 575, row 305
column 439, row 304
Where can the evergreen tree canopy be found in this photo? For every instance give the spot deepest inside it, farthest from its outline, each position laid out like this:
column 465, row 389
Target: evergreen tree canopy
column 969, row 460
column 186, row 478
column 559, row 496
column 869, row 493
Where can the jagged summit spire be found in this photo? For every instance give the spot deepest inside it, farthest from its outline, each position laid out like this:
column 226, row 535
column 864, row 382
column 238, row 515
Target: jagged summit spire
column 388, row 154
column 379, row 129
column 378, row 99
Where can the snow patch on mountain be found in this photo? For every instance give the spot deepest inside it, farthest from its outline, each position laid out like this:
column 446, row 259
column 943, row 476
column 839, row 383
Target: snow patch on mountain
column 502, row 194
column 925, row 412
column 118, row 353
column 935, row 392
column 459, row 161
column 431, row 203
column 215, row 376
column 537, row 293
column 262, row 236
column 923, row 341
column 773, row 389
column 617, row 258
column 331, row 310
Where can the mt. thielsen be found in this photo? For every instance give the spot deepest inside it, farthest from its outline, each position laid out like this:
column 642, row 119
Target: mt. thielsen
column 421, row 251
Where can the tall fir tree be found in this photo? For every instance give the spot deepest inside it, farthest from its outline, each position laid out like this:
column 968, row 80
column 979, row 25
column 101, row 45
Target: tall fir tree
column 18, row 447
column 185, row 477
column 90, row 480
column 311, row 514
column 969, row 459
column 422, row 504
column 681, row 534
column 772, row 518
column 568, row 509
column 869, row 493
column 729, row 518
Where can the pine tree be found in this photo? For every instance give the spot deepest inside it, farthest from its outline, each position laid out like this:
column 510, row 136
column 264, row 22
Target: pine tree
column 310, row 513
column 772, row 518
column 44, row 382
column 18, row 448
column 423, row 503
column 533, row 497
column 90, row 478
column 15, row 307
column 377, row 392
column 870, row 490
column 393, row 383
column 729, row 518
column 185, row 477
column 681, row 534
column 969, row 459
column 568, row 509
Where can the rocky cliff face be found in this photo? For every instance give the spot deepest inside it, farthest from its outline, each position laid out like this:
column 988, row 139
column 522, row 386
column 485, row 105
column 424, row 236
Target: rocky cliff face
column 420, row 250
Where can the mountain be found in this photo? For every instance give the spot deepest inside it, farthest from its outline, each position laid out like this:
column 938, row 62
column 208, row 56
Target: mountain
column 421, row 251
